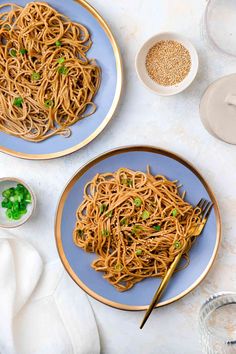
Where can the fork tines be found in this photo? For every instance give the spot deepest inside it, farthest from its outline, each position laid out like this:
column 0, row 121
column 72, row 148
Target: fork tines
column 205, row 207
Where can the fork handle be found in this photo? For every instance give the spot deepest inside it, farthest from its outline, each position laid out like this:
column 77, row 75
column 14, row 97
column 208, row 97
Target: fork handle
column 162, row 287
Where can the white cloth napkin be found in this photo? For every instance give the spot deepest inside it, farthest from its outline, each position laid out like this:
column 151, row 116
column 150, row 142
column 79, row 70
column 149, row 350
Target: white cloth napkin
column 42, row 311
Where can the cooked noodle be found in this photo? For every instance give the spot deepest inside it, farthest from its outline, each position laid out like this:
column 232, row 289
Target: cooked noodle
column 46, row 80
column 136, row 223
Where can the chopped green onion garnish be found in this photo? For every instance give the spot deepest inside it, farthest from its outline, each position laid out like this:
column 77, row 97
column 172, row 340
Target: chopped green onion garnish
column 63, row 70
column 16, row 201
column 28, row 198
column 175, row 212
column 61, row 60
column 138, row 252
column 177, row 244
column 13, row 53
column 23, row 51
column 35, row 76
column 48, row 104
column 137, row 202
column 145, row 215
column 105, row 233
column 58, row 43
column 157, row 227
column 9, row 213
column 7, row 27
column 80, row 233
column 23, row 206
column 7, row 193
column 124, row 222
column 130, row 182
column 4, row 203
column 136, row 228
column 103, row 208
column 118, row 267
column 16, row 215
column 16, row 206
column 109, row 214
column 127, row 182
column 18, row 102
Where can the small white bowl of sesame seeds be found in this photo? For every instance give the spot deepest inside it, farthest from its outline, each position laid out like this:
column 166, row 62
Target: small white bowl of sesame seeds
column 167, row 63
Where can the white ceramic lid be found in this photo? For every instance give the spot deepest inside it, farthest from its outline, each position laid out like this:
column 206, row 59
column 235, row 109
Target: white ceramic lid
column 218, row 109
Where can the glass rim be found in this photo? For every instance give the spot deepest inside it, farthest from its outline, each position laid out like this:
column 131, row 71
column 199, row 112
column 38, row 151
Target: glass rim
column 202, row 322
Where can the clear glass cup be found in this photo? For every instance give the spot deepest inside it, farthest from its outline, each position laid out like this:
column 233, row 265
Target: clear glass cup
column 217, row 324
column 220, row 19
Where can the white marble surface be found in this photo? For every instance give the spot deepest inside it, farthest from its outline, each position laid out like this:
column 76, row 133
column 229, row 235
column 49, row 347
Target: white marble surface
column 144, row 118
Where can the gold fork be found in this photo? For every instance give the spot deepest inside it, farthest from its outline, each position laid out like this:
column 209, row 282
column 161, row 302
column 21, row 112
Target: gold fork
column 205, row 207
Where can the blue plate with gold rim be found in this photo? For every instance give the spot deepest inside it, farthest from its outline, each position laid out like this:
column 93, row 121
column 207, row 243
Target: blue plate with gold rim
column 78, row 263
column 106, row 52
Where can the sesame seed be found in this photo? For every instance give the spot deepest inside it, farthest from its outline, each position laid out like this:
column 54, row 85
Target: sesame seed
column 168, row 62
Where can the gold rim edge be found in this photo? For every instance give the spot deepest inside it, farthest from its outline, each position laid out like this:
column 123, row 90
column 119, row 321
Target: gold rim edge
column 109, row 116
column 87, row 166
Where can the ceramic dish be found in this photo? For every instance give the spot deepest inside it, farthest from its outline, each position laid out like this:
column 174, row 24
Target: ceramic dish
column 6, row 183
column 142, row 71
column 77, row 262
column 106, row 52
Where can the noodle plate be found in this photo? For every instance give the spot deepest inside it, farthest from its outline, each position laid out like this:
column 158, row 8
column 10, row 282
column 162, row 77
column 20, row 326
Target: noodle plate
column 136, row 223
column 46, row 80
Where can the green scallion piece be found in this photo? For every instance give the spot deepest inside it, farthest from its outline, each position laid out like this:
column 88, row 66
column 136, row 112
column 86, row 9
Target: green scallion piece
column 7, row 27
column 103, row 207
column 13, row 53
column 6, row 194
column 137, row 202
column 9, row 214
column 109, row 214
column 23, row 51
column 63, row 70
column 129, row 182
column 28, row 198
column 138, row 252
column 16, row 215
column 174, row 212
column 23, row 206
column 118, row 267
column 145, row 215
column 4, row 203
column 157, row 228
column 18, row 102
column 58, row 44
column 136, row 228
column 105, row 233
column 61, row 60
column 177, row 244
column 35, row 76
column 80, row 233
column 124, row 222
column 48, row 104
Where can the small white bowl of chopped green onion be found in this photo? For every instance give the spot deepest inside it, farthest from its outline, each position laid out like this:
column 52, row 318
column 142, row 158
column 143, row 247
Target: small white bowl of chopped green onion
column 17, row 202
column 167, row 63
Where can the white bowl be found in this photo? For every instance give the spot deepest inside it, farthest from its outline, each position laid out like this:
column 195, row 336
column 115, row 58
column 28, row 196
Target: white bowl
column 6, row 183
column 151, row 84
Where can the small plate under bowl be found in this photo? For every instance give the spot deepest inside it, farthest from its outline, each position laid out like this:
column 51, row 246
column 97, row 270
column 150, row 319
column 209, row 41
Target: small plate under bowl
column 142, row 71
column 6, row 183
